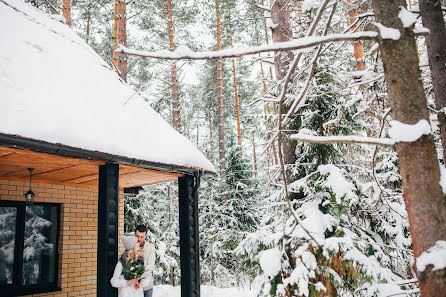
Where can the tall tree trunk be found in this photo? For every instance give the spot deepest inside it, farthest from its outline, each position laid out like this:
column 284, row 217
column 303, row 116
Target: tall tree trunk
column 66, row 11
column 357, row 44
column 211, row 136
column 176, row 113
column 88, row 27
column 237, row 105
column 120, row 37
column 267, row 42
column 254, row 154
column 280, row 16
column 424, row 198
column 267, row 110
column 359, row 53
column 212, row 263
column 436, row 51
column 221, row 115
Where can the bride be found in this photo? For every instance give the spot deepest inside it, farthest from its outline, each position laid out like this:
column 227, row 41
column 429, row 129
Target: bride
column 132, row 287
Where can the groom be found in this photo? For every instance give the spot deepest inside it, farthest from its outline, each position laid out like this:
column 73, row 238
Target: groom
column 149, row 257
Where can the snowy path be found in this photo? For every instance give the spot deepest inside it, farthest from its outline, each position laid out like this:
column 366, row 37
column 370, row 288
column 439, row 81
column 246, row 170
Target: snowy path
column 206, row 291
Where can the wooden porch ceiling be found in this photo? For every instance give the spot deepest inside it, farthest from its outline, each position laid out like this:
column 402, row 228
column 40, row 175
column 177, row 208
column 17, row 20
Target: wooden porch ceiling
column 70, row 171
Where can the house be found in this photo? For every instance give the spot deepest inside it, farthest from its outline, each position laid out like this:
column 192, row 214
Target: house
column 75, row 135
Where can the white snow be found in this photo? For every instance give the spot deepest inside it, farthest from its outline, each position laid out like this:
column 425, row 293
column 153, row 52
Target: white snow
column 270, row 24
column 442, row 178
column 55, row 88
column 270, row 261
column 421, row 30
column 206, row 291
column 435, row 255
column 341, row 187
column 59, row 18
column 401, row 132
column 407, row 18
column 388, row 33
column 315, row 223
column 308, row 5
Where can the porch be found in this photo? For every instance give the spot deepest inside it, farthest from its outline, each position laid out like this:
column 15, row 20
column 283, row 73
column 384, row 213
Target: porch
column 84, row 201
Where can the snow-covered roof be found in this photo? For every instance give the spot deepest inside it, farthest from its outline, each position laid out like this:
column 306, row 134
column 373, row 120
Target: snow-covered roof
column 55, row 88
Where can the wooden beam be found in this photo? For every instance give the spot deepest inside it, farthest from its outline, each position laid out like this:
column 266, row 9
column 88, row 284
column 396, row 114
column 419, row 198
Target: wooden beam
column 108, row 204
column 189, row 235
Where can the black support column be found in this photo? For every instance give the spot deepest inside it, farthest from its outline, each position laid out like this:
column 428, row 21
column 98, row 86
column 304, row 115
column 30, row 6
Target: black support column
column 189, row 249
column 107, row 228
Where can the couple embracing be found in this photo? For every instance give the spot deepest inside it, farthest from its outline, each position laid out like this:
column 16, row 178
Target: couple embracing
column 133, row 272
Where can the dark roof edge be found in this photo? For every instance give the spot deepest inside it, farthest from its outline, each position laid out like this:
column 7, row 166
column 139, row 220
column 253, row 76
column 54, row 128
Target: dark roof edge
column 74, row 152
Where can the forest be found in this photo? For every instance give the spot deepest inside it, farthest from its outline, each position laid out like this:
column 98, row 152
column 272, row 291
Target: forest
column 326, row 120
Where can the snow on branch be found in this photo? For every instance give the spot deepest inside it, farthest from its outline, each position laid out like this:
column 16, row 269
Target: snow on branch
column 342, row 139
column 435, row 255
column 401, row 132
column 183, row 52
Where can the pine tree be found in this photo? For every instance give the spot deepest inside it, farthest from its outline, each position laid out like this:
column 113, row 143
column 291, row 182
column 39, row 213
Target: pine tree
column 418, row 159
column 120, row 37
column 432, row 17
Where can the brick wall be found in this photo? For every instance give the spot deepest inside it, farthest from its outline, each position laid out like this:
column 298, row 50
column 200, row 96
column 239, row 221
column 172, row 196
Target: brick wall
column 78, row 231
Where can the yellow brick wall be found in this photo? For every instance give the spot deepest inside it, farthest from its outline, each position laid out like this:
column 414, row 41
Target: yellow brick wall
column 78, row 231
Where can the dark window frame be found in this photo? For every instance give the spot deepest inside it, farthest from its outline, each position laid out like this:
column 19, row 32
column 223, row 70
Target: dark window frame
column 17, row 288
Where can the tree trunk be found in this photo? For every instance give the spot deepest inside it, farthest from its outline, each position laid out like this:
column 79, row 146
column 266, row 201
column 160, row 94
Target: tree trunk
column 237, row 105
column 254, row 154
column 120, row 37
column 424, row 199
column 280, row 16
column 88, row 28
column 357, row 44
column 66, row 11
column 212, row 263
column 436, row 51
column 267, row 110
column 211, row 136
column 220, row 116
column 267, row 42
column 176, row 113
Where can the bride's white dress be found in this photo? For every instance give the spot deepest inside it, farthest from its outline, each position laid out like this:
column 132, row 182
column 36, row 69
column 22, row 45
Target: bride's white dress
column 127, row 290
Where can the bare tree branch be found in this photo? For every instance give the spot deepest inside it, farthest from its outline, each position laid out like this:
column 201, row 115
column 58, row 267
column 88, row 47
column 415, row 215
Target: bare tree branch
column 302, row 43
column 342, row 139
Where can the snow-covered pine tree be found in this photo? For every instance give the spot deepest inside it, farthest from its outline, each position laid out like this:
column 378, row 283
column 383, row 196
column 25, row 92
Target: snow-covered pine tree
column 343, row 234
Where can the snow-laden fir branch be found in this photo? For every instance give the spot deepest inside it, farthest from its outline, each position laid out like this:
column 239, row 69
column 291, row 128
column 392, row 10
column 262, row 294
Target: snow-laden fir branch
column 184, row 52
column 342, row 139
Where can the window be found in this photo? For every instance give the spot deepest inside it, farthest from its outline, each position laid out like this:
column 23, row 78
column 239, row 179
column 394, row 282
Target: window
column 28, row 248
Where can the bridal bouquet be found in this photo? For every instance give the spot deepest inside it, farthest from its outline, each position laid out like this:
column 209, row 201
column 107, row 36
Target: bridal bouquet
column 133, row 270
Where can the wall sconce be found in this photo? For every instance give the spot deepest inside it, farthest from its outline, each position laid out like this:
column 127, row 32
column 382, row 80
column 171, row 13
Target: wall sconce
column 29, row 196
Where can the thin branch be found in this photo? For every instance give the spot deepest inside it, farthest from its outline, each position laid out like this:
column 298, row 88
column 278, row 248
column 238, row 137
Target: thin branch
column 408, row 281
column 293, row 67
column 279, row 122
column 376, row 150
column 147, row 83
column 113, row 65
column 302, row 43
column 51, row 6
column 404, row 292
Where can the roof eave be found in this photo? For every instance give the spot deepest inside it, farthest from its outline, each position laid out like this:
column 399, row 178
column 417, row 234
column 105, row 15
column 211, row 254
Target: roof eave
column 41, row 146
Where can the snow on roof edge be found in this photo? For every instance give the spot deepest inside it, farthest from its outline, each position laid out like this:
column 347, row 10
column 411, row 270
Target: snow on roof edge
column 37, row 145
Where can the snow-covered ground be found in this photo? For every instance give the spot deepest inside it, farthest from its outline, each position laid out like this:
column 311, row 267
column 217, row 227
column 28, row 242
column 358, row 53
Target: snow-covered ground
column 206, row 291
